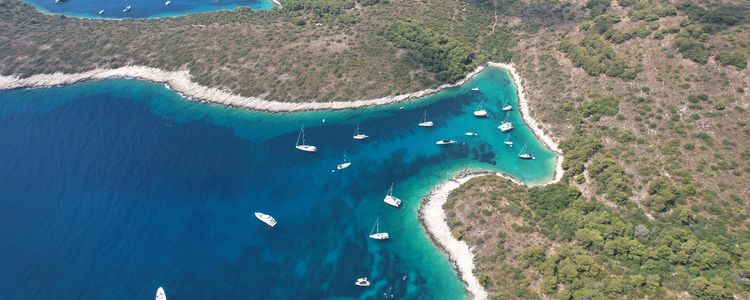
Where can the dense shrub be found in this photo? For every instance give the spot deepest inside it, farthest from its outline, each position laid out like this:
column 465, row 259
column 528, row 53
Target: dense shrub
column 734, row 58
column 597, row 57
column 691, row 49
column 611, row 179
column 449, row 58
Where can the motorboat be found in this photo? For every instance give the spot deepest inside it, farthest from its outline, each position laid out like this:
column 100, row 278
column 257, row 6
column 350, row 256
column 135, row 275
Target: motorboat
column 445, row 142
column 390, row 199
column 160, row 295
column 362, row 282
column 304, row 147
column 476, row 89
column 127, row 9
column 471, row 133
column 268, row 219
column 167, row 3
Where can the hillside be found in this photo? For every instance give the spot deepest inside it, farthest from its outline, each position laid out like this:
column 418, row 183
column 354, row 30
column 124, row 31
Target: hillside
column 649, row 100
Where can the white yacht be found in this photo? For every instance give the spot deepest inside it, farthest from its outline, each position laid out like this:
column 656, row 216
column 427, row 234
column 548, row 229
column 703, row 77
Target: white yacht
column 160, row 295
column 127, row 9
column 393, row 201
column 505, row 126
column 101, row 12
column 377, row 235
column 445, row 142
column 268, row 219
column 525, row 155
column 424, row 122
column 471, row 133
column 362, row 282
column 508, row 141
column 167, row 3
column 345, row 164
column 58, row 1
column 303, row 146
column 358, row 135
column 476, row 89
column 480, row 112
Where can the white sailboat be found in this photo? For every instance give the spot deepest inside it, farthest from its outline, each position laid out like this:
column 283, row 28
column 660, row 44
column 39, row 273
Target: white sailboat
column 525, row 155
column 471, row 133
column 160, row 295
column 363, row 282
column 508, row 141
column 393, row 201
column 505, row 126
column 345, row 164
column 101, row 12
column 268, row 219
column 167, row 3
column 378, row 235
column 445, row 142
column 507, row 107
column 303, row 146
column 358, row 135
column 480, row 112
column 424, row 122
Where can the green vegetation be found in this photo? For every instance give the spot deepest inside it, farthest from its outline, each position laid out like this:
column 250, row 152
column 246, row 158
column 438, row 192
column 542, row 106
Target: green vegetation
column 449, row 58
column 691, row 49
column 597, row 57
column 733, row 58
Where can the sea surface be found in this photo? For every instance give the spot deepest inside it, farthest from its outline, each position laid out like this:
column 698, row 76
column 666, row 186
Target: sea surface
column 142, row 8
column 110, row 189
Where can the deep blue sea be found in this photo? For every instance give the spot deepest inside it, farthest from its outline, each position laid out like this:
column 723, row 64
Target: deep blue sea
column 142, row 8
column 110, row 189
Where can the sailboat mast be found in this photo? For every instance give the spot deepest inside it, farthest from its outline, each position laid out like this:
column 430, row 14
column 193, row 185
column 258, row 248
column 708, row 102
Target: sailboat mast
column 300, row 135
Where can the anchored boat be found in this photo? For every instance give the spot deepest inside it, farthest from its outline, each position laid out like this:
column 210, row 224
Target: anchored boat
column 480, row 112
column 362, row 282
column 390, row 199
column 505, row 126
column 268, row 219
column 525, row 155
column 345, row 164
column 378, row 235
column 445, row 142
column 303, row 146
column 358, row 135
column 424, row 122
column 160, row 295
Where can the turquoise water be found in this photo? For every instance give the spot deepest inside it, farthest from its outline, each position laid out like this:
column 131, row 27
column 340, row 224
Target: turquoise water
column 142, row 8
column 113, row 188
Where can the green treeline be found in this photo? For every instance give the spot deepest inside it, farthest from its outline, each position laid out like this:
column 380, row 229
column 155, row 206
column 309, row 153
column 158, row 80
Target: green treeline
column 447, row 57
column 324, row 9
column 597, row 57
column 648, row 259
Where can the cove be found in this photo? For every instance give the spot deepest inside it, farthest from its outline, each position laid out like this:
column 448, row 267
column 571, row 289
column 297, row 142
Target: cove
column 113, row 9
column 112, row 188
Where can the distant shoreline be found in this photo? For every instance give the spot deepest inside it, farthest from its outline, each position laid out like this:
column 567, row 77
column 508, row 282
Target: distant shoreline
column 431, row 213
column 181, row 82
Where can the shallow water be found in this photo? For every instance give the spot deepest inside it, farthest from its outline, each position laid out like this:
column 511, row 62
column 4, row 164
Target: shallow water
column 142, row 8
column 113, row 188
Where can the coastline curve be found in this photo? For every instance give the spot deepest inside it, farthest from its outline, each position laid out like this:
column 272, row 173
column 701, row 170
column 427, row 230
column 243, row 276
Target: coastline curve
column 431, row 213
